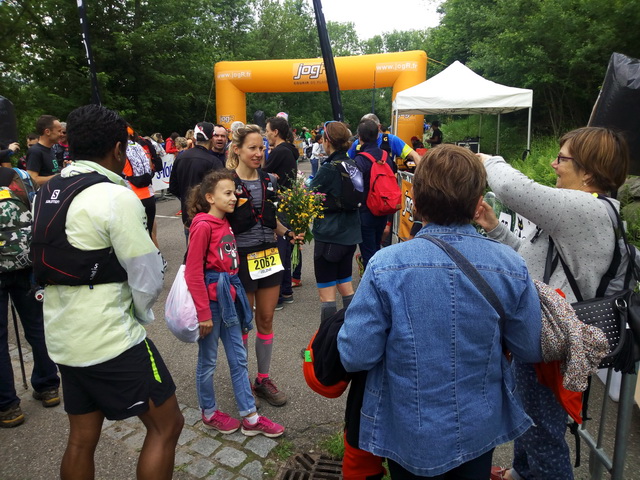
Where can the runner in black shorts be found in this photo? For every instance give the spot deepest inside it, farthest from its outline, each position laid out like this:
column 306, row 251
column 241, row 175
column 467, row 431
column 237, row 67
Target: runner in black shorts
column 255, row 226
column 121, row 387
column 337, row 234
column 94, row 323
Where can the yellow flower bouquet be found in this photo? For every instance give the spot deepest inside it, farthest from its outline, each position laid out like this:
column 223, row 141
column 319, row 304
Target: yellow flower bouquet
column 300, row 205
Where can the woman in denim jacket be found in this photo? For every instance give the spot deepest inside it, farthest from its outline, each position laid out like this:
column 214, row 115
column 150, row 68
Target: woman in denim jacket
column 439, row 392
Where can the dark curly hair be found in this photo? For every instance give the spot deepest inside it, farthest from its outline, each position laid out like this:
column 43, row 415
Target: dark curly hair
column 93, row 131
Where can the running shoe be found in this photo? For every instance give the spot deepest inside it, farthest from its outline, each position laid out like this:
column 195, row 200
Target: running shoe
column 222, row 422
column 269, row 391
column 264, row 426
column 11, row 417
column 49, row 398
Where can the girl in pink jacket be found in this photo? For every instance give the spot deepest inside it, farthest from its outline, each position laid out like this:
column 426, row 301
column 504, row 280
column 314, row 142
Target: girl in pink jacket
column 211, row 273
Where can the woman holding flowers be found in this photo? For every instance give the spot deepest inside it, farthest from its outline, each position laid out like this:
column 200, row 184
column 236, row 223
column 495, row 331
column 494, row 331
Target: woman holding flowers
column 337, row 233
column 255, row 227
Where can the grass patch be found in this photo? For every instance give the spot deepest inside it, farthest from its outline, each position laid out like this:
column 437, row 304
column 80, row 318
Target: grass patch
column 270, row 469
column 334, row 445
column 283, row 450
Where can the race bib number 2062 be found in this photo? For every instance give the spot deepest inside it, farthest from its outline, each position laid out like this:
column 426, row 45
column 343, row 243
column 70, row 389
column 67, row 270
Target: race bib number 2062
column 264, row 263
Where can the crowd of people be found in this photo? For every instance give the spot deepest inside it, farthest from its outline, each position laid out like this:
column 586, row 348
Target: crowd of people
column 433, row 368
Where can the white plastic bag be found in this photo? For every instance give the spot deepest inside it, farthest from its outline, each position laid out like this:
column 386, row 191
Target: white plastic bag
column 180, row 311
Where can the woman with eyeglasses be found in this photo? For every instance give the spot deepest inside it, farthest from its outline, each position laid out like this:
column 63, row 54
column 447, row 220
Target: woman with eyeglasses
column 592, row 162
column 338, row 233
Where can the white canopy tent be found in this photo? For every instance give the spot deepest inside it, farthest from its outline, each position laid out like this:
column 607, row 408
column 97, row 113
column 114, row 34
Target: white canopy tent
column 459, row 90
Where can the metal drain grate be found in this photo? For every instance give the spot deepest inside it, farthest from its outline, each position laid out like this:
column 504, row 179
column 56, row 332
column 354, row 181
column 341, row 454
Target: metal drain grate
column 303, row 466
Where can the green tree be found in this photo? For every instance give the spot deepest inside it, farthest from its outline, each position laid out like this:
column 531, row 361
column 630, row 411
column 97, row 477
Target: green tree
column 558, row 48
column 344, row 38
column 463, row 24
column 154, row 60
column 283, row 30
column 396, row 41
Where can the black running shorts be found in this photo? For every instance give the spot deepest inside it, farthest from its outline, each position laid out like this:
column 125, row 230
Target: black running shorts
column 249, row 284
column 332, row 263
column 121, row 387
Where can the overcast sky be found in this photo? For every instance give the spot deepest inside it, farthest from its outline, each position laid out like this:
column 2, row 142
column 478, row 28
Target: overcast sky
column 372, row 17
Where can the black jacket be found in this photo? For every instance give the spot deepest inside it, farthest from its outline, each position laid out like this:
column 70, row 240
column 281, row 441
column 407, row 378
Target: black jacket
column 282, row 163
column 188, row 170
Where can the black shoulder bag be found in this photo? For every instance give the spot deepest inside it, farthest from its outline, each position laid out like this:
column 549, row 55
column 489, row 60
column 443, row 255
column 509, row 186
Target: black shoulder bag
column 610, row 313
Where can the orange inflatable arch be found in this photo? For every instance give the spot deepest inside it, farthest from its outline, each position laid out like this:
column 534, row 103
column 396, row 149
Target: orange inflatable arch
column 398, row 70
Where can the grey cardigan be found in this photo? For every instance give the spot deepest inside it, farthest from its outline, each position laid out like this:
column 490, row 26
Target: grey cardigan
column 578, row 222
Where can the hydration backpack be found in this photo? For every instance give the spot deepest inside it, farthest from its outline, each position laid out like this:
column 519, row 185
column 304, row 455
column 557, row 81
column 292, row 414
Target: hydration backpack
column 55, row 260
column 352, row 188
column 624, row 269
column 384, row 193
column 245, row 215
column 16, row 222
column 141, row 176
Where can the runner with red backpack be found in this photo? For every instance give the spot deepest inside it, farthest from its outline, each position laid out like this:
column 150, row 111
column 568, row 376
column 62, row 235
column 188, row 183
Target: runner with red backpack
column 381, row 189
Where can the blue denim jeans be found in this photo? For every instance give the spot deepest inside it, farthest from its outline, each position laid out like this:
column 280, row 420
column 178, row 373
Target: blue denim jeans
column 237, row 358
column 372, row 228
column 314, row 165
column 44, row 376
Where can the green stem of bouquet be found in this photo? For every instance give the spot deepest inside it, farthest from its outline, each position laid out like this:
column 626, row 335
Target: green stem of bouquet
column 295, row 256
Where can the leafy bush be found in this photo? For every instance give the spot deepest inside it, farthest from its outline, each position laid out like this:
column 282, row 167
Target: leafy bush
column 513, row 132
column 513, row 140
column 537, row 165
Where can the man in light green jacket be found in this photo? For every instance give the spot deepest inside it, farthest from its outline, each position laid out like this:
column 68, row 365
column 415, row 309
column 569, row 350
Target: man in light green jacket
column 94, row 329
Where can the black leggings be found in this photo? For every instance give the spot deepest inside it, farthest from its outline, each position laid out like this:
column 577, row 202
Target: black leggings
column 476, row 469
column 149, row 205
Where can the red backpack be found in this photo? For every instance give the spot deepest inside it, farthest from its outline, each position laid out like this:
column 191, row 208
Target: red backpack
column 384, row 193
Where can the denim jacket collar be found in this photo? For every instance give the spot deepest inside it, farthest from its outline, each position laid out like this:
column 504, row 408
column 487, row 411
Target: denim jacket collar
column 435, row 229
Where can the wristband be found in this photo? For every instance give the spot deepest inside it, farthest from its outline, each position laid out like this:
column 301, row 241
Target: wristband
column 286, row 234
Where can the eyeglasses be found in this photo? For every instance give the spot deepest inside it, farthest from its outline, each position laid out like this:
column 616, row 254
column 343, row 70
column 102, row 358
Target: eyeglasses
column 330, row 121
column 561, row 159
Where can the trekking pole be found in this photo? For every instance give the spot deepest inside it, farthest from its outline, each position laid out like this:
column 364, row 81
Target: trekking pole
column 15, row 324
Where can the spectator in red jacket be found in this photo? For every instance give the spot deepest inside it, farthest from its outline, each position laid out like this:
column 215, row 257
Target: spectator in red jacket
column 170, row 143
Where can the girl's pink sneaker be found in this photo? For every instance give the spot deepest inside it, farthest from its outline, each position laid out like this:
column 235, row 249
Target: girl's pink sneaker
column 264, row 427
column 222, row 422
